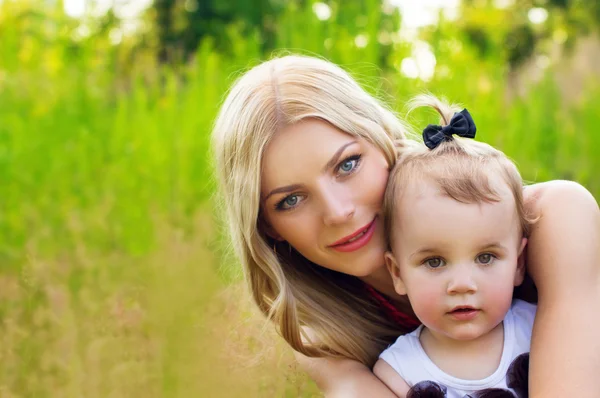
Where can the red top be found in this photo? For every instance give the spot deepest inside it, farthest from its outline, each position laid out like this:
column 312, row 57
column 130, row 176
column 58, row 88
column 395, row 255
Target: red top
column 399, row 317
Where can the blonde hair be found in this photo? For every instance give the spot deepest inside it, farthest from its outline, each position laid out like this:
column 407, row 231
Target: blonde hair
column 460, row 167
column 292, row 292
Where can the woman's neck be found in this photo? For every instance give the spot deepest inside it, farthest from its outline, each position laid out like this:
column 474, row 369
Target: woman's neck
column 381, row 280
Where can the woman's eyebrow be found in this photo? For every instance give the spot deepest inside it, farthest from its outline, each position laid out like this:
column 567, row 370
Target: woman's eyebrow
column 285, row 189
column 336, row 156
column 332, row 162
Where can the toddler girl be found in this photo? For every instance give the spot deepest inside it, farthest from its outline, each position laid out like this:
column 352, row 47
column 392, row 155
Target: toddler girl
column 457, row 229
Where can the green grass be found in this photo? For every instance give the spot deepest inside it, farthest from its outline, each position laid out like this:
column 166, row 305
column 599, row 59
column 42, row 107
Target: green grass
column 114, row 280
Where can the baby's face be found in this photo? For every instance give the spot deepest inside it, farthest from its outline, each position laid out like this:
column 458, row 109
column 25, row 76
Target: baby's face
column 457, row 262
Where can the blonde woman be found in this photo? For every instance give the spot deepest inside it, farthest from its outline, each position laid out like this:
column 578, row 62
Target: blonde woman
column 303, row 155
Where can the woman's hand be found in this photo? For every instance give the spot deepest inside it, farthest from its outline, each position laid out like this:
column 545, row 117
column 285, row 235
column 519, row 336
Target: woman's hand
column 564, row 261
column 343, row 378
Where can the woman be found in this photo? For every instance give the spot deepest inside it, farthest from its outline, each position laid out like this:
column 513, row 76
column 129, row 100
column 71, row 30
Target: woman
column 303, row 155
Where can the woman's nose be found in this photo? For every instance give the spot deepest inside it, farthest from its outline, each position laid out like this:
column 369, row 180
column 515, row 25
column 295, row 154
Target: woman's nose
column 462, row 281
column 338, row 206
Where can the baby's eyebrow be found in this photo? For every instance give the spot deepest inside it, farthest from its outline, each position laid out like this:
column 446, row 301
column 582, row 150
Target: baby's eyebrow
column 492, row 245
column 423, row 251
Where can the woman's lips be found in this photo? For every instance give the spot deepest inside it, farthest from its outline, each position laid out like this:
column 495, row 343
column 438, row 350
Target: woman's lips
column 357, row 240
column 464, row 313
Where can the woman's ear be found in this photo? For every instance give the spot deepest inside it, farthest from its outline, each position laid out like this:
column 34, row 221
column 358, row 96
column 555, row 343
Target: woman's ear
column 394, row 270
column 522, row 253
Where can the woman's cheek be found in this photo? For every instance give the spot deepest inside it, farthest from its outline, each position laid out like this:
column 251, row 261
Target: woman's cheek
column 298, row 230
column 373, row 183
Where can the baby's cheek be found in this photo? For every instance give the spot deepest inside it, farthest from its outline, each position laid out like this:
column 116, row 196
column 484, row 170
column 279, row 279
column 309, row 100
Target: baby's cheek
column 427, row 303
column 499, row 293
column 499, row 298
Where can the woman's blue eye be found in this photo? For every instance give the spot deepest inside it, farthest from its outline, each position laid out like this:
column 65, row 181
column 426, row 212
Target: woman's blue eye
column 485, row 258
column 348, row 165
column 291, row 200
column 435, row 262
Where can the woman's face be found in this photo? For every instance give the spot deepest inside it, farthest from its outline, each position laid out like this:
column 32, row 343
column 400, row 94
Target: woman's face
column 322, row 192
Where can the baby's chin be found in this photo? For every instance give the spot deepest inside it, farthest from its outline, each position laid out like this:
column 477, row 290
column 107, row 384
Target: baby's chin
column 468, row 332
column 465, row 336
column 464, row 332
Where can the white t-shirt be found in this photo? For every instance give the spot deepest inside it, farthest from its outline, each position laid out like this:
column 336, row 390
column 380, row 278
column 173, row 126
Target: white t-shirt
column 408, row 358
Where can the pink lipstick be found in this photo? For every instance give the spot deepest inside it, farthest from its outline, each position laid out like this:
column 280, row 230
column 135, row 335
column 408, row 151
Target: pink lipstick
column 356, row 240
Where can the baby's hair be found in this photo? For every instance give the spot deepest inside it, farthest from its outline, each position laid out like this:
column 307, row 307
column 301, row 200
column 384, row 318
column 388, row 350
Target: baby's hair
column 463, row 169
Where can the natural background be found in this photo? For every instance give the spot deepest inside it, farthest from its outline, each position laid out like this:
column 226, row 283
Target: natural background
column 115, row 277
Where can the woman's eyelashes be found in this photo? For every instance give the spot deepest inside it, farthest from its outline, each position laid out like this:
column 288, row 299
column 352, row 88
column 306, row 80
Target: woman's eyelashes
column 289, row 202
column 348, row 166
column 343, row 169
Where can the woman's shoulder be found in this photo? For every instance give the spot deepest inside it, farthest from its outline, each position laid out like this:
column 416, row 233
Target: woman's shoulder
column 544, row 197
column 537, row 192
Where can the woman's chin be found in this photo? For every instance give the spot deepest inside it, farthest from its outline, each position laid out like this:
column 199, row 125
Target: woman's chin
column 368, row 264
column 372, row 271
column 360, row 263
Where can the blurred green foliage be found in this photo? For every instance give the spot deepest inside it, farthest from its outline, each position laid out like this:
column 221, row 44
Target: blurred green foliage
column 181, row 25
column 107, row 245
column 490, row 25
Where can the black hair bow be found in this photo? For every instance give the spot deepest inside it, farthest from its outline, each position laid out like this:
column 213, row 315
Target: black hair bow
column 461, row 124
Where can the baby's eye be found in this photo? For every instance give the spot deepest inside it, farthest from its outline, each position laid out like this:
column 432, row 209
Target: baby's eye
column 434, row 262
column 485, row 258
column 348, row 165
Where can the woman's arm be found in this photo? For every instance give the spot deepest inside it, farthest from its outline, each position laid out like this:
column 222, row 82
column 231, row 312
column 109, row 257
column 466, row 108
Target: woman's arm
column 564, row 261
column 343, row 378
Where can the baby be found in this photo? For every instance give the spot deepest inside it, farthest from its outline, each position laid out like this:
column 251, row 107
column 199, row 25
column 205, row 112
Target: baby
column 457, row 228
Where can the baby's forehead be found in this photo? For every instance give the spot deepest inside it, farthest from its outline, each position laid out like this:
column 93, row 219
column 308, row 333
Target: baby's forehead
column 423, row 194
column 431, row 214
column 431, row 185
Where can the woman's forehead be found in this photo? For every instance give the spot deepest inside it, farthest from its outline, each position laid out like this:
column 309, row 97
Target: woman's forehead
column 309, row 139
column 310, row 127
column 303, row 149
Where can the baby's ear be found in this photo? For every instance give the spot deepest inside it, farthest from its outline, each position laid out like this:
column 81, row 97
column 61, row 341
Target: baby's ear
column 522, row 253
column 394, row 270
